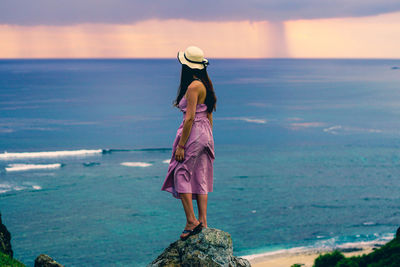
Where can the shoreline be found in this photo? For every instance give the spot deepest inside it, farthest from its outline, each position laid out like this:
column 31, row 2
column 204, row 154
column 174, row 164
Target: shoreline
column 305, row 256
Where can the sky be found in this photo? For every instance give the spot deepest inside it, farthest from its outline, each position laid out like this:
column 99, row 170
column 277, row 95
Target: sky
column 222, row 28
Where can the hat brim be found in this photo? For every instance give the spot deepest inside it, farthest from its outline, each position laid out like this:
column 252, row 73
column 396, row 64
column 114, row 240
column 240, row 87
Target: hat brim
column 182, row 60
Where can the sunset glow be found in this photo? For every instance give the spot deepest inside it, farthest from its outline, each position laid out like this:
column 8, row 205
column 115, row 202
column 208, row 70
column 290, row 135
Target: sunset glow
column 356, row 37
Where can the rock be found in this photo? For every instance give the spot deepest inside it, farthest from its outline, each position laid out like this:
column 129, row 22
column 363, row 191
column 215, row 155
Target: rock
column 211, row 247
column 90, row 164
column 5, row 240
column 346, row 250
column 398, row 233
column 44, row 260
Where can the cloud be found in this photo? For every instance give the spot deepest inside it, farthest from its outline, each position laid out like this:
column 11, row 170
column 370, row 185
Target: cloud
column 66, row 12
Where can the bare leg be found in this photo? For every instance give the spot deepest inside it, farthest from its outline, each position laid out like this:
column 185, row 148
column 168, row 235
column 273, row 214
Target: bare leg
column 191, row 221
column 202, row 207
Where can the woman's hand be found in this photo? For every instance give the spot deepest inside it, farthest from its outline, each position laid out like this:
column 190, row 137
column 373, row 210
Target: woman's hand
column 179, row 154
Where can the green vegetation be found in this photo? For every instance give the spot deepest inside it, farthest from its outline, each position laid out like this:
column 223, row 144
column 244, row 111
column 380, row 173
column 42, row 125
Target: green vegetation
column 386, row 256
column 7, row 261
column 329, row 259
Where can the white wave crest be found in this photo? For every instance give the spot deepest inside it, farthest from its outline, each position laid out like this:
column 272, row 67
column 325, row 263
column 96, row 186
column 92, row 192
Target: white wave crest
column 2, row 186
column 136, row 164
column 254, row 120
column 347, row 129
column 6, row 187
column 167, row 161
column 246, row 119
column 333, row 129
column 323, row 246
column 307, row 124
column 19, row 188
column 48, row 154
column 25, row 167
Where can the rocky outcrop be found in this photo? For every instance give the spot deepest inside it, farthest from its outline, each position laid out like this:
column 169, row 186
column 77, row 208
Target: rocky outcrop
column 211, row 248
column 44, row 260
column 5, row 240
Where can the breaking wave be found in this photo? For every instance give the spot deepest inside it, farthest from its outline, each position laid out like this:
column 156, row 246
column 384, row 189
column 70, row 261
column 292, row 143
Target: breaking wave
column 26, row 167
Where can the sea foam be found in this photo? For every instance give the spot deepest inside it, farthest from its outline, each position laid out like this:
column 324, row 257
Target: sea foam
column 324, row 246
column 26, row 167
column 246, row 119
column 48, row 154
column 136, row 164
column 7, row 187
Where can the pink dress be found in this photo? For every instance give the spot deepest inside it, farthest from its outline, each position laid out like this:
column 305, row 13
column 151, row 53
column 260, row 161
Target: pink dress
column 195, row 174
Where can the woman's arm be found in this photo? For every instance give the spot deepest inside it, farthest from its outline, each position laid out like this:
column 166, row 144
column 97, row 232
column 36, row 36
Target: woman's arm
column 191, row 97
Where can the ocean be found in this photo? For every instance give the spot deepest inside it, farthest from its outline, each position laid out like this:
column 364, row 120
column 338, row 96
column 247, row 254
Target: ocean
column 307, row 154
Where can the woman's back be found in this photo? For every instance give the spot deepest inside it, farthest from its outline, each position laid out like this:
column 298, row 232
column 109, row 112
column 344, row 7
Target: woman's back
column 202, row 95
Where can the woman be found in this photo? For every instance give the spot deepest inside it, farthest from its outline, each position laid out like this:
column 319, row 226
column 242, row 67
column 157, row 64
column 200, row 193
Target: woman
column 190, row 171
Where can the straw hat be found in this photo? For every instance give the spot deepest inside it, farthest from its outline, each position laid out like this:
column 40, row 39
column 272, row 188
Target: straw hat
column 193, row 57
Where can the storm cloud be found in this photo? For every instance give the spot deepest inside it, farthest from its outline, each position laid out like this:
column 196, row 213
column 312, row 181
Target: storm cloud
column 67, row 12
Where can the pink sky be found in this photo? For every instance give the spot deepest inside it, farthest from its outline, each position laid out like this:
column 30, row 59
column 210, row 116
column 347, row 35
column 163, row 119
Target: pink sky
column 356, row 37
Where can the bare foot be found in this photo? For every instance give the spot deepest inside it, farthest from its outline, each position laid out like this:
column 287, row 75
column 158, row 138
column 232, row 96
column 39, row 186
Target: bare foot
column 204, row 223
column 190, row 226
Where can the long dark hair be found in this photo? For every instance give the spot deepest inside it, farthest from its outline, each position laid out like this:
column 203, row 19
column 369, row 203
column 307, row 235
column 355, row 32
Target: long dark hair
column 187, row 77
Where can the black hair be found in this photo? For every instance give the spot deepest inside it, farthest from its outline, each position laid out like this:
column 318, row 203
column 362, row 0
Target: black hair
column 187, row 78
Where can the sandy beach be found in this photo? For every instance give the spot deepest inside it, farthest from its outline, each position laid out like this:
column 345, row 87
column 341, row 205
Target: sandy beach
column 305, row 256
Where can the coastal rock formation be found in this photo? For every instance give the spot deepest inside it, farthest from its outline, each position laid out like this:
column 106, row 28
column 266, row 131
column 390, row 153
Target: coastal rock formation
column 44, row 260
column 5, row 240
column 211, row 248
column 398, row 233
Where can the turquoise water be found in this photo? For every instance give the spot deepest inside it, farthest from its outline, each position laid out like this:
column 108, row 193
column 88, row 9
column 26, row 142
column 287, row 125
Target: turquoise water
column 307, row 154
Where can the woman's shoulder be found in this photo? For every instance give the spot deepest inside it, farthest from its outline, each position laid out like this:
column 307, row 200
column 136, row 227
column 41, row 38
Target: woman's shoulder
column 196, row 83
column 196, row 86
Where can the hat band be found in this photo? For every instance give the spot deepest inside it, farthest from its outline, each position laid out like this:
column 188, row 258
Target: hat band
column 205, row 63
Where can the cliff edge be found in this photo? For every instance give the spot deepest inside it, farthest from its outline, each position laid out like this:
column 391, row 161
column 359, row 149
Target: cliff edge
column 5, row 240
